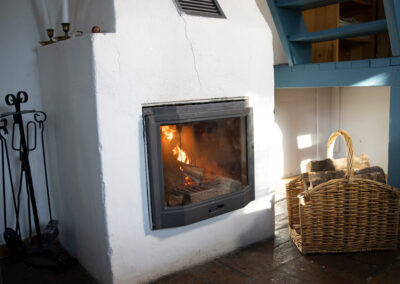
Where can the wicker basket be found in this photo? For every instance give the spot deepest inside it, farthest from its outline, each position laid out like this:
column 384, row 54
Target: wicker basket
column 343, row 215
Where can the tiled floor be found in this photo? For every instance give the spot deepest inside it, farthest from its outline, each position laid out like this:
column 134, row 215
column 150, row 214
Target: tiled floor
column 278, row 261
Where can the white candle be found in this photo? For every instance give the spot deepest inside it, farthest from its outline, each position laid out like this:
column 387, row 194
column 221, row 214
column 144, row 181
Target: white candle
column 65, row 11
column 45, row 15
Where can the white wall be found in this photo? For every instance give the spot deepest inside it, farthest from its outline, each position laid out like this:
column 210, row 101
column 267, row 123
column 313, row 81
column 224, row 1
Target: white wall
column 362, row 111
column 21, row 29
column 18, row 68
column 69, row 98
column 302, row 113
column 87, row 13
column 155, row 56
column 159, row 56
column 279, row 54
column 365, row 115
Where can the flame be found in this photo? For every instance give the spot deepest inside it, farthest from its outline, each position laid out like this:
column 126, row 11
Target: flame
column 188, row 181
column 182, row 157
column 168, row 132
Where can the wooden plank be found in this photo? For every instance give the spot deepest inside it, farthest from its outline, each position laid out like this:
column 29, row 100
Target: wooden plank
column 392, row 11
column 355, row 30
column 383, row 48
column 321, row 19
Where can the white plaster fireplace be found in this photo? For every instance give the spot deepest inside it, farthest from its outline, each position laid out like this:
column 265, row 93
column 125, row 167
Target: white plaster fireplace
column 93, row 89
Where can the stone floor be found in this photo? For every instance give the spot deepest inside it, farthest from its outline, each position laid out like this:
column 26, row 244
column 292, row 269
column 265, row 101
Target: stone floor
column 279, row 261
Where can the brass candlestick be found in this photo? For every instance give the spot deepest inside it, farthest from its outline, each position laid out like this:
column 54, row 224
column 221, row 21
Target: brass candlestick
column 50, row 34
column 65, row 27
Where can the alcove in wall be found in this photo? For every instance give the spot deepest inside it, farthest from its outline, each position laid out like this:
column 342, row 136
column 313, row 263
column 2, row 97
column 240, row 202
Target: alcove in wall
column 307, row 117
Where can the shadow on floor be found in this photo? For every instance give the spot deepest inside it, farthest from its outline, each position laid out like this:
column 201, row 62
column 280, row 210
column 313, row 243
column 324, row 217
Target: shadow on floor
column 279, row 261
column 12, row 272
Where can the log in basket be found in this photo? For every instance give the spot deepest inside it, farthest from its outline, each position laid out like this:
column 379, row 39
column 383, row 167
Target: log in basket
column 349, row 214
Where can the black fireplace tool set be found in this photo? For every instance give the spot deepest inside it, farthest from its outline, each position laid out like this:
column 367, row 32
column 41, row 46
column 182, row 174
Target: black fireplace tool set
column 42, row 256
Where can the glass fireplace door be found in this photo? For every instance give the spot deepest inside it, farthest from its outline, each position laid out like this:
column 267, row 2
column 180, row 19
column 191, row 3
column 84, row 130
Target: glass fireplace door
column 203, row 160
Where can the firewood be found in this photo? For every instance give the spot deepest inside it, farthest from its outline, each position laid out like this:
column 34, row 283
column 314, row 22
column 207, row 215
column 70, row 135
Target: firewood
column 174, row 199
column 372, row 173
column 320, row 166
column 317, row 178
column 193, row 172
column 209, row 189
column 359, row 162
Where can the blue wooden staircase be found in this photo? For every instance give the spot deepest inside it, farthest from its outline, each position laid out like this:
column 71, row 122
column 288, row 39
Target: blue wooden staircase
column 297, row 41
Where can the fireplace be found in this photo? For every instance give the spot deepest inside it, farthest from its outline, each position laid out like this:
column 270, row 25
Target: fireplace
column 199, row 159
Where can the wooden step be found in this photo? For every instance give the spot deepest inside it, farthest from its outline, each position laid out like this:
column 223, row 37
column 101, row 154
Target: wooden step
column 355, row 30
column 305, row 4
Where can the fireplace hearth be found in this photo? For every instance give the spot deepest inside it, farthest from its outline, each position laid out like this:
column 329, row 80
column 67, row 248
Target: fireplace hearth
column 200, row 159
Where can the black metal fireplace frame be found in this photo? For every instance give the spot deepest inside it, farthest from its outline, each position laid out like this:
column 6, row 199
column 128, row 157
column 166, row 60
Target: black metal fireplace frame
column 156, row 115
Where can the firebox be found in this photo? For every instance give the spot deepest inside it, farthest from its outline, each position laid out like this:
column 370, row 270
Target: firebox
column 199, row 159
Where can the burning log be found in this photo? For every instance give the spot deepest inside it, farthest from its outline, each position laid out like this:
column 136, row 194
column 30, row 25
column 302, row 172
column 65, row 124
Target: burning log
column 208, row 190
column 174, row 200
column 193, row 172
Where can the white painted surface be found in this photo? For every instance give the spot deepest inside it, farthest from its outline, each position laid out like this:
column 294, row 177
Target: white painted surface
column 302, row 112
column 365, row 115
column 68, row 89
column 155, row 56
column 158, row 56
column 279, row 54
column 84, row 14
column 362, row 111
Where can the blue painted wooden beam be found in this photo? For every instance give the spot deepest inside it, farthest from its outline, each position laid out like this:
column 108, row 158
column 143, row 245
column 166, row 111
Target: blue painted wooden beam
column 373, row 72
column 291, row 22
column 394, row 138
column 370, row 72
column 392, row 11
column 355, row 30
column 306, row 4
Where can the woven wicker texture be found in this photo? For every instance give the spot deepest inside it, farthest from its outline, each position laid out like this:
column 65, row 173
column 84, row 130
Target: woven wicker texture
column 343, row 215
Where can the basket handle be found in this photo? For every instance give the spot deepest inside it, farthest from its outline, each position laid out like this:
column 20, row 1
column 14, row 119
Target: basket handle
column 349, row 150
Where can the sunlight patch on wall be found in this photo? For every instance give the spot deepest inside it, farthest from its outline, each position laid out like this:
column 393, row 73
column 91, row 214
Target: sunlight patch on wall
column 304, row 141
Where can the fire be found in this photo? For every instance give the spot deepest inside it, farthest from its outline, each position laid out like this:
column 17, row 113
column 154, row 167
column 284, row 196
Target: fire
column 168, row 132
column 188, row 181
column 182, row 157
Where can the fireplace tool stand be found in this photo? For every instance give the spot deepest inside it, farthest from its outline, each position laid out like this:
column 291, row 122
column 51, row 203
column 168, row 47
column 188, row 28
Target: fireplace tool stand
column 25, row 145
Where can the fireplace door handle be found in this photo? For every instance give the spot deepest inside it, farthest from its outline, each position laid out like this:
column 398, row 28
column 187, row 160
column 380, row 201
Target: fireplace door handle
column 216, row 208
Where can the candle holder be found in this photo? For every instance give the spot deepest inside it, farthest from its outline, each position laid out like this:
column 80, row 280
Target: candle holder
column 65, row 27
column 50, row 34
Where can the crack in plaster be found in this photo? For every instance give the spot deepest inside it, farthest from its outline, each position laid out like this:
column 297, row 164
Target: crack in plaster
column 192, row 49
